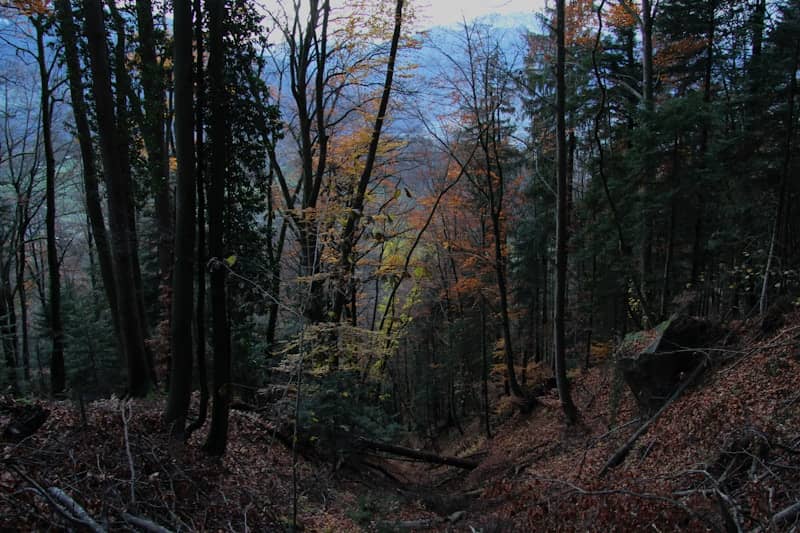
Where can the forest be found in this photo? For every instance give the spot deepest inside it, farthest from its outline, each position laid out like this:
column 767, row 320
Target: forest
column 319, row 265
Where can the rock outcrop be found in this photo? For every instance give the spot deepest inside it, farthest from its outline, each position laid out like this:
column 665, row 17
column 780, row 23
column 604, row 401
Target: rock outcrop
column 672, row 350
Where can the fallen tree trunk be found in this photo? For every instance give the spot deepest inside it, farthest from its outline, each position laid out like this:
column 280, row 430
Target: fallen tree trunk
column 419, row 455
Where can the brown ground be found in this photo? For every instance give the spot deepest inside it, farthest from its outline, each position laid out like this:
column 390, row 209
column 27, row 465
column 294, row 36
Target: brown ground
column 722, row 457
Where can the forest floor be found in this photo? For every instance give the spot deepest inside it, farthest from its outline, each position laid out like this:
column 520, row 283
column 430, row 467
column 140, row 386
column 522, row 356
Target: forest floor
column 725, row 456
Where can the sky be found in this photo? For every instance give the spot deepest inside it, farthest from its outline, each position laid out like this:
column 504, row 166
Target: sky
column 447, row 12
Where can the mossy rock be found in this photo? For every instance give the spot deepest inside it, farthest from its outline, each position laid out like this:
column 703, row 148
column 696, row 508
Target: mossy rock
column 654, row 362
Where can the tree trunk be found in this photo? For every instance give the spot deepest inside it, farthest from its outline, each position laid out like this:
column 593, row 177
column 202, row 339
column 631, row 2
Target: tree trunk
column 502, row 289
column 757, row 24
column 665, row 278
column 698, row 253
column 308, row 60
column 218, row 435
column 275, row 287
column 545, row 310
column 115, row 164
column 785, row 174
column 180, row 382
column 154, row 135
column 23, row 218
column 94, row 209
column 200, row 312
column 274, row 250
column 485, row 361
column 8, row 326
column 645, row 257
column 57, row 372
column 570, row 412
column 124, row 144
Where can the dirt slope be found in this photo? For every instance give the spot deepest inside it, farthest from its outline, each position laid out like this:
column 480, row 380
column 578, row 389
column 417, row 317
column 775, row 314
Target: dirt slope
column 723, row 457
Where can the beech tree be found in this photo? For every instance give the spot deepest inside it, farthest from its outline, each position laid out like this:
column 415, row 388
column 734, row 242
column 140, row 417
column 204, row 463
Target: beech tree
column 116, row 166
column 356, row 204
column 21, row 163
column 314, row 91
column 330, row 88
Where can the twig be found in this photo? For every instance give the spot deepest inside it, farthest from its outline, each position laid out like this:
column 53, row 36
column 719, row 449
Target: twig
column 727, row 505
column 126, row 417
column 791, row 401
column 75, row 509
column 50, row 497
column 787, row 515
column 145, row 524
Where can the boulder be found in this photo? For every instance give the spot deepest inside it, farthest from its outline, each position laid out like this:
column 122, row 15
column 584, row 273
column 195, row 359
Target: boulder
column 654, row 363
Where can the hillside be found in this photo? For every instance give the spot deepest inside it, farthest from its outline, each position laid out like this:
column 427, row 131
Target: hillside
column 722, row 457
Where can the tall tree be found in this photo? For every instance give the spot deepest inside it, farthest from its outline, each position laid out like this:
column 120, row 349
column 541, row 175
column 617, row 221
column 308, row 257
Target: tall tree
column 562, row 235
column 786, row 36
column 57, row 373
column 648, row 85
column 21, row 161
column 153, row 129
column 69, row 38
column 325, row 84
column 199, row 124
column 116, row 164
column 355, row 213
column 124, row 115
column 308, row 57
column 219, row 131
column 486, row 95
column 180, row 383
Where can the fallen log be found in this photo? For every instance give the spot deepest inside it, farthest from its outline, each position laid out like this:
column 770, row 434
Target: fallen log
column 419, row 455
